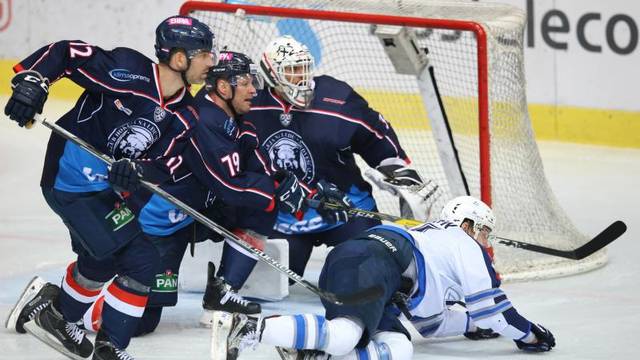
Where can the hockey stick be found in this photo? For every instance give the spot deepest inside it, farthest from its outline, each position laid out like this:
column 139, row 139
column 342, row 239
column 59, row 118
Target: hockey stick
column 363, row 296
column 612, row 232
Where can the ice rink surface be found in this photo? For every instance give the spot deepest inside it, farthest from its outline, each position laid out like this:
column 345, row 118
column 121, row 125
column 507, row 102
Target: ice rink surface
column 595, row 315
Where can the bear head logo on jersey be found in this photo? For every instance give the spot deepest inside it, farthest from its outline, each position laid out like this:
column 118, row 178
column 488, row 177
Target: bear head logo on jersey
column 132, row 139
column 288, row 152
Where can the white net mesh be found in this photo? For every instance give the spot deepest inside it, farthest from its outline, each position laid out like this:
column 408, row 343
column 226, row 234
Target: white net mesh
column 524, row 205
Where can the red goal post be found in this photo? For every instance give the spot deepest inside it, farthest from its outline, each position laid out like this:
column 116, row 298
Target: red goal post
column 476, row 51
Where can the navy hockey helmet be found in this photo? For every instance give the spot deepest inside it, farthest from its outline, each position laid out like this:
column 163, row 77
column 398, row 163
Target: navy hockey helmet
column 233, row 66
column 185, row 33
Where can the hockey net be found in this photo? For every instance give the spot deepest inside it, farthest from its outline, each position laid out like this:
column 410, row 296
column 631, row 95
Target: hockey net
column 477, row 52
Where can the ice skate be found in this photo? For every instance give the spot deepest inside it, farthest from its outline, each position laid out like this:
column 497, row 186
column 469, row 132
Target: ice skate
column 67, row 338
column 35, row 297
column 219, row 296
column 232, row 333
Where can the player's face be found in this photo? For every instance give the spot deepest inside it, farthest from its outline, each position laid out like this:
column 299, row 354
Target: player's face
column 200, row 65
column 482, row 236
column 295, row 74
column 244, row 94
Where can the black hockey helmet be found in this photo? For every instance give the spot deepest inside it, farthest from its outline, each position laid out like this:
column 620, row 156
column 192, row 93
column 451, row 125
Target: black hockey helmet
column 183, row 32
column 231, row 66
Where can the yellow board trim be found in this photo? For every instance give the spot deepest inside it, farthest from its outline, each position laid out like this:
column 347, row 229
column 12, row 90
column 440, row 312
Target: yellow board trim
column 405, row 111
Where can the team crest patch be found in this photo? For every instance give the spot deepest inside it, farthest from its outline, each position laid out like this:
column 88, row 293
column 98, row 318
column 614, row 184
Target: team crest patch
column 133, row 138
column 159, row 114
column 287, row 151
column 285, row 119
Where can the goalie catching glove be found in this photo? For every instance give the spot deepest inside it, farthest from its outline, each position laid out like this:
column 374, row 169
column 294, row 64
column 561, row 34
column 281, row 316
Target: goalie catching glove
column 30, row 91
column 416, row 197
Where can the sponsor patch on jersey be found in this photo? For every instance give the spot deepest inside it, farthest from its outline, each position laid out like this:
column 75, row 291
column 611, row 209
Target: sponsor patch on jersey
column 133, row 138
column 176, row 216
column 230, row 128
column 166, row 282
column 121, row 107
column 124, row 75
column 288, row 152
column 333, row 101
column 159, row 114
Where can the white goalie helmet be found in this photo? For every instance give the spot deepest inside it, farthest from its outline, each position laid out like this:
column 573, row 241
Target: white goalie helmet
column 468, row 207
column 287, row 66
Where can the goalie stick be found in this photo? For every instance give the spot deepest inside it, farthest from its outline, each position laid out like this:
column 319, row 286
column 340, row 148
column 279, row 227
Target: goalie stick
column 363, row 296
column 608, row 235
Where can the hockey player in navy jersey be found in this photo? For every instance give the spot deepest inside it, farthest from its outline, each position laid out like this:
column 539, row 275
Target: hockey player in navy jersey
column 314, row 126
column 419, row 270
column 129, row 105
column 223, row 180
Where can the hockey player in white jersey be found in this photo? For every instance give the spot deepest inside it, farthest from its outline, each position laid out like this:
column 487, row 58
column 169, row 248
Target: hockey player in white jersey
column 420, row 270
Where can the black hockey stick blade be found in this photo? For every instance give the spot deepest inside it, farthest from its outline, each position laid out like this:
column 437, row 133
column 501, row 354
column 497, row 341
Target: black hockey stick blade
column 601, row 240
column 359, row 297
column 612, row 232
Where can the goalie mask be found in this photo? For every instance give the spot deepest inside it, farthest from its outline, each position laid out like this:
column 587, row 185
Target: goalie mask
column 468, row 207
column 287, row 66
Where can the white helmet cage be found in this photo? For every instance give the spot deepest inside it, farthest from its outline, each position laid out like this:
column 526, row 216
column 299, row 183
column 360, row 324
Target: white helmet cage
column 468, row 207
column 284, row 60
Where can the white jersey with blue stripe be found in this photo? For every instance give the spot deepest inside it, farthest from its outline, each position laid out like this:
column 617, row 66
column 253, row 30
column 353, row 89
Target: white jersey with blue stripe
column 456, row 268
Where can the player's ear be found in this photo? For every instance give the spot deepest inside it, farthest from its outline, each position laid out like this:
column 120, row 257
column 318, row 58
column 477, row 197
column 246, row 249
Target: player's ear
column 178, row 60
column 223, row 87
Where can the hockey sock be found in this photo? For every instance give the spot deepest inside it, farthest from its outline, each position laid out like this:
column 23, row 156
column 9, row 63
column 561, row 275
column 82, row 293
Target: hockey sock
column 336, row 337
column 236, row 264
column 77, row 295
column 385, row 345
column 123, row 308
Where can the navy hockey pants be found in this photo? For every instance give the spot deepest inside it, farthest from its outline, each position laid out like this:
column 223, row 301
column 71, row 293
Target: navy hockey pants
column 301, row 245
column 358, row 264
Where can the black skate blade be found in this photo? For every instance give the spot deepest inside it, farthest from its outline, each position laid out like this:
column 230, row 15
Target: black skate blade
column 49, row 340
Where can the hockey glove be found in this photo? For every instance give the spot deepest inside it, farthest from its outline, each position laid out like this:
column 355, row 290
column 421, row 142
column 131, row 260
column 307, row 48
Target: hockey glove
column 329, row 192
column 545, row 340
column 330, row 202
column 30, row 91
column 481, row 334
column 125, row 175
column 289, row 194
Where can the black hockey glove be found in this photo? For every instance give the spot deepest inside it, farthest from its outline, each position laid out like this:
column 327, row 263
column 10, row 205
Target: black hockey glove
column 545, row 342
column 289, row 194
column 331, row 202
column 329, row 192
column 125, row 175
column 400, row 175
column 30, row 91
column 481, row 334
